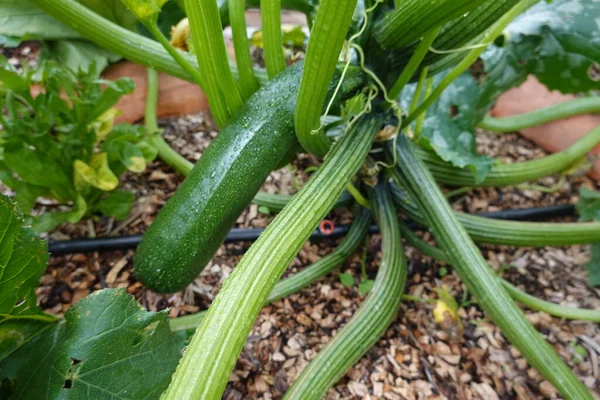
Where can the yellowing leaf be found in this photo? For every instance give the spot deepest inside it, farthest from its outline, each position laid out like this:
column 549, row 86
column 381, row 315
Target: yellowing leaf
column 83, row 175
column 105, row 178
column 441, row 312
column 145, row 10
column 105, row 123
column 137, row 164
column 97, row 174
column 257, row 39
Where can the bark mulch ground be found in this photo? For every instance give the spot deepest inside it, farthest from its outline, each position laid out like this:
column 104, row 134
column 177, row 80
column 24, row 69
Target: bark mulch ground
column 416, row 358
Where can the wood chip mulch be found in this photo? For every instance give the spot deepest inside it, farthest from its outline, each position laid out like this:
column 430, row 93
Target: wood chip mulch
column 416, row 358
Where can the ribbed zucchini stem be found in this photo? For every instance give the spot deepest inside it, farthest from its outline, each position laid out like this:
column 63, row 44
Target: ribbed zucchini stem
column 304, row 278
column 511, row 233
column 532, row 302
column 478, row 276
column 324, row 46
column 578, row 106
column 471, row 57
column 220, row 86
column 241, row 44
column 270, row 11
column 204, row 369
column 370, row 321
column 516, row 173
column 412, row 19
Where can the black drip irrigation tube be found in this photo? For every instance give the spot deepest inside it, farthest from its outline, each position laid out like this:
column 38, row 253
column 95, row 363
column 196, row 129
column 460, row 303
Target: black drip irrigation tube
column 114, row 243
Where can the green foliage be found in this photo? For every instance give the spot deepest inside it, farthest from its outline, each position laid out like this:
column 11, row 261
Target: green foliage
column 62, row 143
column 107, row 346
column 558, row 42
column 588, row 208
column 448, row 126
column 146, row 11
column 23, row 20
column 78, row 55
column 347, row 279
column 23, row 259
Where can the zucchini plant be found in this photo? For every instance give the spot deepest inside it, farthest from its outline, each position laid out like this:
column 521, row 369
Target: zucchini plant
column 384, row 93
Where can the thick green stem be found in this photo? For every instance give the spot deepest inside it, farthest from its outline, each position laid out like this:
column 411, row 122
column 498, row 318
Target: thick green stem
column 572, row 313
column 478, row 276
column 304, row 278
column 370, row 321
column 176, row 54
column 270, row 11
column 165, row 152
column 124, row 42
column 204, row 369
column 220, row 86
column 151, row 103
column 324, row 46
column 241, row 44
column 412, row 19
column 413, row 64
column 472, row 56
column 511, row 233
column 512, row 174
column 583, row 105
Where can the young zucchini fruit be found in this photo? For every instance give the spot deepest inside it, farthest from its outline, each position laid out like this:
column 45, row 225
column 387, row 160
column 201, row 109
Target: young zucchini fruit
column 205, row 367
column 412, row 19
column 195, row 221
column 370, row 321
column 478, row 276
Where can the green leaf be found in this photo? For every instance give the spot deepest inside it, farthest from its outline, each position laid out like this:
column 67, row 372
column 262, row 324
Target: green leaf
column 366, row 286
column 448, row 126
column 588, row 206
column 50, row 220
column 24, row 20
column 79, row 55
column 38, row 169
column 558, row 42
column 112, row 93
column 114, row 11
column 293, row 36
column 12, row 80
column 347, row 279
column 150, row 152
column 23, row 259
column 264, row 210
column 96, row 174
column 108, row 347
column 27, row 194
column 132, row 157
column 146, row 11
column 9, row 41
column 116, row 204
column 170, row 15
